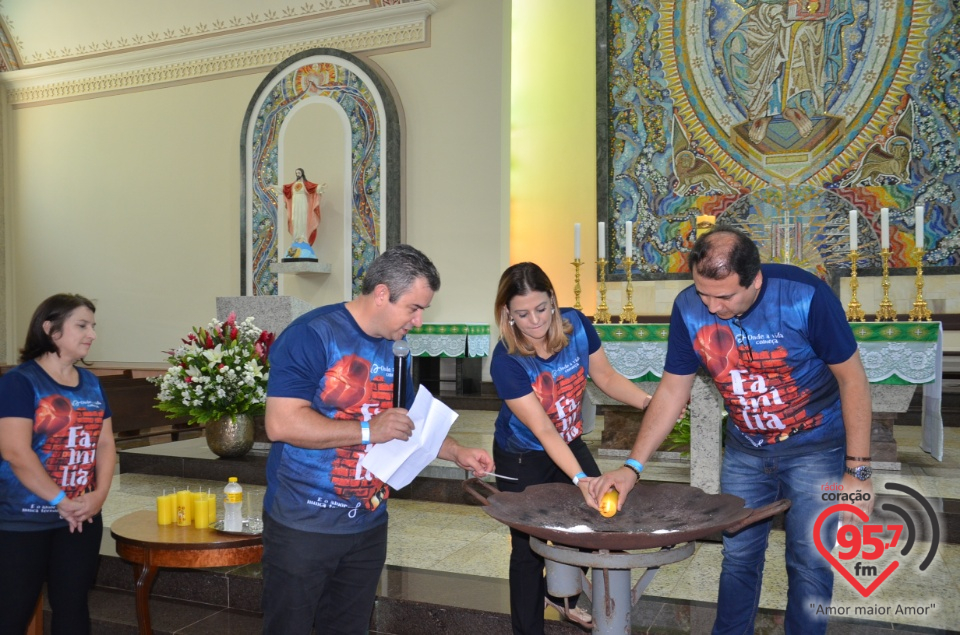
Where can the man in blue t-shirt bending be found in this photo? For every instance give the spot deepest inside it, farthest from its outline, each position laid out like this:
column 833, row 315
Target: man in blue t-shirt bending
column 329, row 398
column 776, row 342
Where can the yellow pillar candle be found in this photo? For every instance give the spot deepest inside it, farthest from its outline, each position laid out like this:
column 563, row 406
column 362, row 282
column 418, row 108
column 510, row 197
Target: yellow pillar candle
column 184, row 507
column 201, row 511
column 171, row 502
column 165, row 508
column 705, row 223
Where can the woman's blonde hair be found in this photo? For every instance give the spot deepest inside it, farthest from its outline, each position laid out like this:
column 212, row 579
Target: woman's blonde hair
column 521, row 279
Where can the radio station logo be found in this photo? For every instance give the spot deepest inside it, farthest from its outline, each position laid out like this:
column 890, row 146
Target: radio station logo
column 861, row 549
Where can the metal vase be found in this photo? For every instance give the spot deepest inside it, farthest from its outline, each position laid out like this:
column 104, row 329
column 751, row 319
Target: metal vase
column 230, row 436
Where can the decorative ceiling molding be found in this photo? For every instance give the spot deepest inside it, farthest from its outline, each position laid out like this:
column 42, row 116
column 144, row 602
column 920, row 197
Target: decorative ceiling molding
column 35, row 51
column 401, row 25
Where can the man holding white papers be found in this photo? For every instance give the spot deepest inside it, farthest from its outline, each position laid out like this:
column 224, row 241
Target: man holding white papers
column 329, row 399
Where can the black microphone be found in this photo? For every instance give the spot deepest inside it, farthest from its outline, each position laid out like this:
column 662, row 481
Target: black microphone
column 400, row 351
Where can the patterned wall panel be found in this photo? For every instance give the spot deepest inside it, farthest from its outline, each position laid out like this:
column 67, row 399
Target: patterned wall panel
column 374, row 156
column 780, row 117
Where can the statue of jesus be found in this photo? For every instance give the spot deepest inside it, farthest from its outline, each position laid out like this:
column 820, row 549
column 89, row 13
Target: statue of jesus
column 302, row 201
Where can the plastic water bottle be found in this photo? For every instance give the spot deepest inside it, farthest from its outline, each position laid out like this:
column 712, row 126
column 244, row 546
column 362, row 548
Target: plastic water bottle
column 232, row 506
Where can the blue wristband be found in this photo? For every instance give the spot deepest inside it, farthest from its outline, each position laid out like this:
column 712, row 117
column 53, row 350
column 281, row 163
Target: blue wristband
column 580, row 475
column 634, row 465
column 59, row 497
column 365, row 432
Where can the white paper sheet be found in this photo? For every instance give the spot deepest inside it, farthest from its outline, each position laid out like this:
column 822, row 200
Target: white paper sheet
column 398, row 462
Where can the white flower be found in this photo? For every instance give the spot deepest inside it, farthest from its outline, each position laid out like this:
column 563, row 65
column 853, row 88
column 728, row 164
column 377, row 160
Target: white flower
column 204, row 383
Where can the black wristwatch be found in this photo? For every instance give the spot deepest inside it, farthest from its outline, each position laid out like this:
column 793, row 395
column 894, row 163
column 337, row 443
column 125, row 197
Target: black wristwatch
column 861, row 472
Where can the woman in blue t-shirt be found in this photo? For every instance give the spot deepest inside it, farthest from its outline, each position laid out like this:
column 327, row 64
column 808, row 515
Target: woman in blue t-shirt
column 58, row 456
column 540, row 369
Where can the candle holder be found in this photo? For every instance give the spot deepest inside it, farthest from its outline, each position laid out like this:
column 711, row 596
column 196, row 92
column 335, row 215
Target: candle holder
column 576, row 284
column 854, row 311
column 628, row 314
column 603, row 312
column 920, row 312
column 886, row 312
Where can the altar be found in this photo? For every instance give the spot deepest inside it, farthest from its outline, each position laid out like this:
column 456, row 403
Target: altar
column 897, row 357
column 466, row 343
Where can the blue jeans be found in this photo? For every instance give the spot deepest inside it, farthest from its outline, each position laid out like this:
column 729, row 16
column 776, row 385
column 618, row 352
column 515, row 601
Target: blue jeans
column 760, row 481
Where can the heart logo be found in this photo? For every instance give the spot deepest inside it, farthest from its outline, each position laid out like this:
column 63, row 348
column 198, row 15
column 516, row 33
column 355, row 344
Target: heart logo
column 864, row 591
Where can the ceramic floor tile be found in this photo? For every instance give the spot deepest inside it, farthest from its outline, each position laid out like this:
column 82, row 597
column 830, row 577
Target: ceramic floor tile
column 420, row 549
column 951, row 558
column 119, row 504
column 666, row 579
column 487, row 556
column 701, row 577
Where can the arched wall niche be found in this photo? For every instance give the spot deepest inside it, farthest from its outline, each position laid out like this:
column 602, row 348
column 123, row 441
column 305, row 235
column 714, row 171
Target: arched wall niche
column 358, row 126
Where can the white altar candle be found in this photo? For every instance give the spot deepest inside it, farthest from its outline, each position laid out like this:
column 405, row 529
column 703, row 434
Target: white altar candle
column 576, row 241
column 853, row 230
column 918, row 217
column 885, row 228
column 629, row 238
column 601, row 243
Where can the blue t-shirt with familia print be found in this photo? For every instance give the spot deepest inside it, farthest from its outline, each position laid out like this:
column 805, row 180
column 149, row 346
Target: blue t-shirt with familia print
column 771, row 364
column 325, row 358
column 558, row 382
column 67, row 421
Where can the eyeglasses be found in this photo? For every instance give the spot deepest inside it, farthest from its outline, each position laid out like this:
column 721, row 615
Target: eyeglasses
column 743, row 337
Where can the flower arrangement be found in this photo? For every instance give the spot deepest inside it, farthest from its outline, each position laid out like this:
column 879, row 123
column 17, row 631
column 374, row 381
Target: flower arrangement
column 218, row 371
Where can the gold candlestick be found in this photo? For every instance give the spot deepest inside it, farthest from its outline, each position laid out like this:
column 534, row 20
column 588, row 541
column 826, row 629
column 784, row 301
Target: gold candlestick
column 854, row 311
column 603, row 313
column 920, row 312
column 628, row 314
column 576, row 283
column 886, row 312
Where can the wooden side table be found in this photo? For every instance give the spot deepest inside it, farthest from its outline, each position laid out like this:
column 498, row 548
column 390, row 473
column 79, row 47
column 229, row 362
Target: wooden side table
column 149, row 546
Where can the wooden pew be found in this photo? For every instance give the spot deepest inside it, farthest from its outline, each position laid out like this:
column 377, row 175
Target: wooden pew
column 132, row 398
column 135, row 418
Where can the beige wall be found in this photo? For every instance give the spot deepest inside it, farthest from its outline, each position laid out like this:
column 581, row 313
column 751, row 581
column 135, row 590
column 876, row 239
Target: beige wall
column 454, row 98
column 553, row 142
column 134, row 199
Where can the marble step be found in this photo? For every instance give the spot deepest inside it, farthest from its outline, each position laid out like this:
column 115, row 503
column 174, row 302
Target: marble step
column 419, row 602
column 227, row 600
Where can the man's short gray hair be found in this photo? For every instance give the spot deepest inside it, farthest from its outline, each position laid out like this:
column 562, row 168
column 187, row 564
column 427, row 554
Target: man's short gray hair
column 398, row 268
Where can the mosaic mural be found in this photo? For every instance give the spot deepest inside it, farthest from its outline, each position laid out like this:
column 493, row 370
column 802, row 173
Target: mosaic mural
column 310, row 80
column 780, row 117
